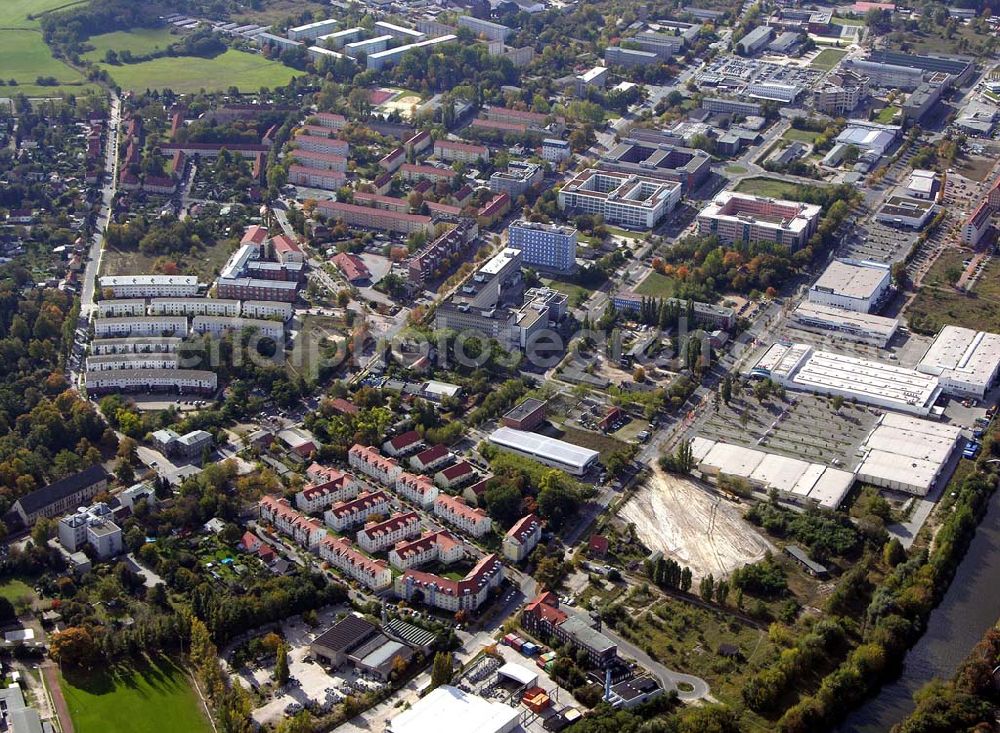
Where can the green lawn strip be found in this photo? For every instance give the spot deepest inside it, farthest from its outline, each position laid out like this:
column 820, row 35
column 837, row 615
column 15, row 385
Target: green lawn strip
column 657, row 286
column 154, row 698
column 246, row 71
column 138, row 41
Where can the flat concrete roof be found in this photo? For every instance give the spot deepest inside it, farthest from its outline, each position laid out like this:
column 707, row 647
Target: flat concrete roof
column 853, row 278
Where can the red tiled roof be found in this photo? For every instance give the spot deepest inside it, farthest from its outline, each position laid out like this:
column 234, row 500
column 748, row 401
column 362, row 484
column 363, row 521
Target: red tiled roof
column 432, row 454
column 353, row 268
column 524, row 527
column 411, row 437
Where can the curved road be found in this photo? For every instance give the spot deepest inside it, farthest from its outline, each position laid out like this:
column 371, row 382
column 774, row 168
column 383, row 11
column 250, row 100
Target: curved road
column 667, row 677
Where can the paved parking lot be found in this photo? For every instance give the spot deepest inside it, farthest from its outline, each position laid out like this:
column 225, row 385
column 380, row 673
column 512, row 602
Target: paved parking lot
column 801, row 426
column 878, row 242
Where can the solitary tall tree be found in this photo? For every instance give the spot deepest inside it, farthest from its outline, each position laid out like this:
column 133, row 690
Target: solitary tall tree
column 281, row 673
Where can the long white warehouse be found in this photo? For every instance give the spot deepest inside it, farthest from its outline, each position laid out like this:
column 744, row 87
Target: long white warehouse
column 797, row 480
column 907, row 454
column 967, row 362
column 803, row 367
column 550, row 451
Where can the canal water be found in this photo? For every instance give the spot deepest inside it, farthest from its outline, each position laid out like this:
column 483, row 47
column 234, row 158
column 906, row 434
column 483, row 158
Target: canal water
column 969, row 608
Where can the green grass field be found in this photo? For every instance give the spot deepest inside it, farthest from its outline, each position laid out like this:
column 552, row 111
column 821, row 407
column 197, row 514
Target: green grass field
column 886, row 115
column 15, row 589
column 157, row 698
column 763, row 186
column 137, row 41
column 657, row 286
column 249, row 72
column 24, row 56
column 802, row 136
column 828, row 58
column 14, row 13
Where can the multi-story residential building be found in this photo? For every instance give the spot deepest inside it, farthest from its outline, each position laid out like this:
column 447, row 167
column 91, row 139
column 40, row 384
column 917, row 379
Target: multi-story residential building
column 555, row 150
column 378, row 201
column 418, row 142
column 219, row 325
column 518, row 178
column 330, row 120
column 417, row 488
column 378, row 536
column 248, row 276
column 467, row 594
column 451, row 150
column 543, row 617
column 429, row 262
column 413, row 172
column 367, row 46
column 131, row 380
column 427, row 460
column 441, row 547
column 61, row 496
column 312, row 31
column 304, row 530
column 595, row 78
column 522, row 538
column 346, row 514
column 324, row 178
column 370, row 462
column 132, row 361
column 737, row 217
column 485, row 28
column 252, row 288
column 121, row 308
column 321, row 144
column 629, row 57
column 338, row 551
column 267, row 309
column 194, row 307
column 403, row 444
column 321, row 161
column 93, row 526
column 403, row 33
column 453, row 510
column 370, row 218
column 390, row 56
column 327, row 489
column 189, row 445
column 140, row 326
column 141, row 345
column 535, row 121
column 638, row 202
column 150, row 286
column 455, row 475
column 548, row 247
column 338, row 39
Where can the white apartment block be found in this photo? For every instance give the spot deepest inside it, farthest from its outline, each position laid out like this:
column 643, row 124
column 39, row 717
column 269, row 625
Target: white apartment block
column 194, row 307
column 349, row 513
column 555, row 150
column 92, row 526
column 629, row 200
column 303, row 530
column 132, row 361
column 121, row 308
column 219, row 325
column 312, row 31
column 373, row 574
column 441, row 547
column 370, row 462
column 267, row 309
column 456, row 512
column 418, row 489
column 522, row 538
column 328, row 180
column 378, row 536
column 140, row 326
column 141, row 345
column 150, row 286
column 127, row 380
column 334, row 487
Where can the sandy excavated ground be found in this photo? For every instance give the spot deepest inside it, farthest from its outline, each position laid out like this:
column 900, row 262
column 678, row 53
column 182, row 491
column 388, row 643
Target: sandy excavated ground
column 693, row 526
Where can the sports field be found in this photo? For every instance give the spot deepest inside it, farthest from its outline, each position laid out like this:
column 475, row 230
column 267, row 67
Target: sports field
column 156, row 698
column 23, row 54
column 246, row 71
column 138, row 41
